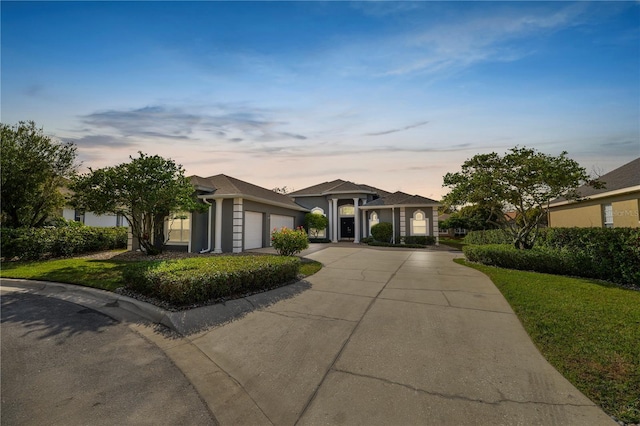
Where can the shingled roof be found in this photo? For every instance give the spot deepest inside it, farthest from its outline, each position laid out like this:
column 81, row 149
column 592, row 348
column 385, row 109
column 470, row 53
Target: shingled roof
column 227, row 187
column 627, row 176
column 400, row 198
column 337, row 186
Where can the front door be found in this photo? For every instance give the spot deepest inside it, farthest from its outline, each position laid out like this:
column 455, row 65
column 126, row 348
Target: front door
column 347, row 227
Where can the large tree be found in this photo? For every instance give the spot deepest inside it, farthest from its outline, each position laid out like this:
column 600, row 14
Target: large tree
column 474, row 217
column 145, row 191
column 523, row 180
column 34, row 167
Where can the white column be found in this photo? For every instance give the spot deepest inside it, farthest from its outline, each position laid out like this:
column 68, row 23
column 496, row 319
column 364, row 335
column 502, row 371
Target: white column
column 364, row 224
column 356, row 219
column 393, row 224
column 436, row 228
column 238, row 226
column 329, row 232
column 336, row 221
column 218, row 234
column 403, row 224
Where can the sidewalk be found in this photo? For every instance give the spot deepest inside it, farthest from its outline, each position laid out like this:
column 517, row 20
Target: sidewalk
column 376, row 337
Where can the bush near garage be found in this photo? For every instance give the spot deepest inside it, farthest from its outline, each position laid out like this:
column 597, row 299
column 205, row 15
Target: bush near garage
column 42, row 243
column 195, row 280
column 611, row 254
column 382, row 232
column 289, row 242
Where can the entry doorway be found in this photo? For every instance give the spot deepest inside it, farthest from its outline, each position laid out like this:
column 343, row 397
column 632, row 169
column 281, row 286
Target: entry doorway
column 347, row 227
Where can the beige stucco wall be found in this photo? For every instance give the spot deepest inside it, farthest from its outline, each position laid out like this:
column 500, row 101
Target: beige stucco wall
column 625, row 214
column 582, row 217
column 590, row 213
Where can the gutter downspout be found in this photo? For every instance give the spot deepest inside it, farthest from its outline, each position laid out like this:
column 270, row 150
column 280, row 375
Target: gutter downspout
column 208, row 249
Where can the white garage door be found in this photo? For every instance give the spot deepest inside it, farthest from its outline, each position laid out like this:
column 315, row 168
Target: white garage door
column 278, row 222
column 252, row 230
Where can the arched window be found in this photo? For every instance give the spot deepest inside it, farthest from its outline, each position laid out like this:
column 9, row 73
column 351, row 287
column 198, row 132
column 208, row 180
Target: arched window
column 318, row 210
column 373, row 220
column 419, row 223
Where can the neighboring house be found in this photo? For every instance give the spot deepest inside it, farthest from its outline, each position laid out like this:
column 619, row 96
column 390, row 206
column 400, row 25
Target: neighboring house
column 89, row 218
column 242, row 216
column 92, row 219
column 614, row 206
column 450, row 232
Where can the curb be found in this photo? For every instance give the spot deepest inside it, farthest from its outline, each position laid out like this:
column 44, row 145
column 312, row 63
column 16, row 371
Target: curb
column 127, row 309
column 119, row 307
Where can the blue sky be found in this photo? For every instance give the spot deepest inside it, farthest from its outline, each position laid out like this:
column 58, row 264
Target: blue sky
column 393, row 95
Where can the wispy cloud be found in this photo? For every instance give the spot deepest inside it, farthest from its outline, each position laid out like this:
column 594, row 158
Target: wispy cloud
column 233, row 124
column 92, row 141
column 386, row 132
column 469, row 39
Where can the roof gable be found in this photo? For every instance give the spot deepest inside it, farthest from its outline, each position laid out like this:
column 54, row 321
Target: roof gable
column 400, row 198
column 623, row 177
column 626, row 176
column 223, row 185
column 337, row 186
column 317, row 189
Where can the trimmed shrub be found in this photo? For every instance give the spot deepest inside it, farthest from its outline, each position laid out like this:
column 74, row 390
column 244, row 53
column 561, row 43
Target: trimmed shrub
column 382, row 232
column 491, row 236
column 289, row 242
column 379, row 244
column 41, row 243
column 195, row 280
column 319, row 240
column 613, row 263
column 420, row 240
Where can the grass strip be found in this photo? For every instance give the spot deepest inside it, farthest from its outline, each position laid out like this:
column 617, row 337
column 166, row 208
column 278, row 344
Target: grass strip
column 102, row 274
column 588, row 330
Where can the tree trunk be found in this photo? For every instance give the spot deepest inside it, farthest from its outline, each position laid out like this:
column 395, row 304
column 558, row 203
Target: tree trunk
column 158, row 233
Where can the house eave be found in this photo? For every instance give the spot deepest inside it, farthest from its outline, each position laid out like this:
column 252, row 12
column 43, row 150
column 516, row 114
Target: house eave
column 252, row 198
column 622, row 191
column 398, row 205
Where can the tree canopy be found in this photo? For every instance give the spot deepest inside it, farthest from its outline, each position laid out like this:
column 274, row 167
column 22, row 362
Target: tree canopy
column 34, row 167
column 145, row 191
column 523, row 181
column 474, row 217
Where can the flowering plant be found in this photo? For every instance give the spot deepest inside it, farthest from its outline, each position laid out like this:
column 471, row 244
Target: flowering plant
column 289, row 242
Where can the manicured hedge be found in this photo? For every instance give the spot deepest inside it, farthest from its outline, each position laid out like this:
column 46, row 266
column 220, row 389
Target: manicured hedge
column 194, row 280
column 41, row 243
column 420, row 240
column 615, row 258
column 491, row 236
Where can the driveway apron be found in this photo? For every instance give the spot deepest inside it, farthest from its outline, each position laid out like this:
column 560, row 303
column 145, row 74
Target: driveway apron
column 386, row 337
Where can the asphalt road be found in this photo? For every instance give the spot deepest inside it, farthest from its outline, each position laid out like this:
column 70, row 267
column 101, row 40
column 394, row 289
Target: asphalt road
column 63, row 364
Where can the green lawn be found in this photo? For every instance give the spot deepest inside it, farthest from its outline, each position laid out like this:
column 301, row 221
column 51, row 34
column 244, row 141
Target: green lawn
column 104, row 274
column 453, row 242
column 588, row 330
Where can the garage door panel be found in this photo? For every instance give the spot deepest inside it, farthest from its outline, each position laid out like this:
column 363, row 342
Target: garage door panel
column 252, row 230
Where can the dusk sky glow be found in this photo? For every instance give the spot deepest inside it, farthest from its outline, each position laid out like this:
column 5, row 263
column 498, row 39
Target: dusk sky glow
column 389, row 94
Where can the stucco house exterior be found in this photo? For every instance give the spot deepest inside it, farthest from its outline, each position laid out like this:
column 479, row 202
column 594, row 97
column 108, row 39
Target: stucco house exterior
column 614, row 206
column 241, row 215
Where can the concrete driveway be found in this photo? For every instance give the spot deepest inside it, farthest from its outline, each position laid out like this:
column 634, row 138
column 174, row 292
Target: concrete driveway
column 381, row 337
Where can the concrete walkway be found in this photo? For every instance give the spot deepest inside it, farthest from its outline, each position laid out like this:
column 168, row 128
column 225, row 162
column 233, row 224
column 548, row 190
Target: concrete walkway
column 376, row 337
